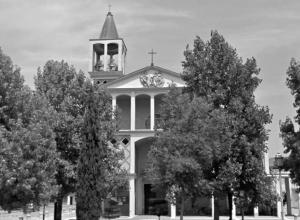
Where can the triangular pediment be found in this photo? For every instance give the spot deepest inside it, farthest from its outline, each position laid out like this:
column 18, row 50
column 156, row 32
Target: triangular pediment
column 148, row 77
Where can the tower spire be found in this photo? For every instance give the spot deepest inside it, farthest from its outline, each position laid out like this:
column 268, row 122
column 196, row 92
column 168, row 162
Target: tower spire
column 109, row 30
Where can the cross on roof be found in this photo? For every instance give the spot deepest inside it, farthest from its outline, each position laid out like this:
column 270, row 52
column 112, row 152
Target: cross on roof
column 109, row 7
column 152, row 53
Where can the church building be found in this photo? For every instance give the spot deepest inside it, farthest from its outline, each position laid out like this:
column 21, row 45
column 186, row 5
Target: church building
column 138, row 95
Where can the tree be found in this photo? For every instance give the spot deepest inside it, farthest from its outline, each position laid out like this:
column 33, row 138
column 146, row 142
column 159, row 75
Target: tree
column 289, row 134
column 11, row 90
column 99, row 165
column 193, row 134
column 64, row 89
column 28, row 158
column 27, row 153
column 213, row 70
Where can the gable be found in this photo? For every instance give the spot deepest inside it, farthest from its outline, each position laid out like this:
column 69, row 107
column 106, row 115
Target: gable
column 152, row 76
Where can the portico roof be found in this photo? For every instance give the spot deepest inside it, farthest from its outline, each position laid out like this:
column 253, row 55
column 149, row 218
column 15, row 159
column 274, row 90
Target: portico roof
column 127, row 81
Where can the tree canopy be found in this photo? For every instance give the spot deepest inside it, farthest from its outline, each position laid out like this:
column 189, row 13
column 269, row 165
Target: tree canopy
column 63, row 87
column 214, row 70
column 181, row 157
column 27, row 152
column 290, row 134
column 216, row 77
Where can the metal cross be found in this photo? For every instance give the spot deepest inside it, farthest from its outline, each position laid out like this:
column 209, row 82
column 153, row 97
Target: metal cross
column 109, row 7
column 152, row 53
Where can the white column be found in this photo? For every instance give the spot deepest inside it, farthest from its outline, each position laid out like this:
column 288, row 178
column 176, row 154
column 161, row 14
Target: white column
column 233, row 209
column 173, row 211
column 105, row 58
column 278, row 202
column 132, row 111
column 212, row 206
column 132, row 155
column 132, row 179
column 298, row 204
column 120, row 56
column 279, row 209
column 152, row 113
column 131, row 197
column 114, row 104
column 255, row 211
column 91, row 61
column 266, row 163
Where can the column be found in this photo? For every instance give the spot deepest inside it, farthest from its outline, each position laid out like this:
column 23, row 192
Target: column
column 266, row 163
column 119, row 56
column 91, row 61
column 132, row 179
column 173, row 211
column 132, row 112
column 114, row 102
column 298, row 204
column 233, row 209
column 256, row 211
column 131, row 196
column 279, row 209
column 114, row 105
column 105, row 58
column 212, row 206
column 288, row 190
column 278, row 202
column 152, row 112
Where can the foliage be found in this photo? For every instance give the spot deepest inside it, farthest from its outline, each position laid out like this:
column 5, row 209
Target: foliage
column 99, row 166
column 28, row 158
column 216, row 76
column 64, row 89
column 27, row 153
column 11, row 90
column 213, row 70
column 290, row 135
column 193, row 134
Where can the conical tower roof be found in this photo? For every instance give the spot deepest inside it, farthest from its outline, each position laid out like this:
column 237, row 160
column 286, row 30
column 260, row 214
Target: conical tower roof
column 109, row 30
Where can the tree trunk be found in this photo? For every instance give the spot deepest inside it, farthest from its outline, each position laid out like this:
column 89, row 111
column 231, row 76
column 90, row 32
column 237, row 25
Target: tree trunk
column 58, row 208
column 230, row 205
column 182, row 206
column 216, row 208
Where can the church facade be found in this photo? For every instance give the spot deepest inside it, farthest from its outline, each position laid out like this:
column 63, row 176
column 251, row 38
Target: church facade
column 138, row 96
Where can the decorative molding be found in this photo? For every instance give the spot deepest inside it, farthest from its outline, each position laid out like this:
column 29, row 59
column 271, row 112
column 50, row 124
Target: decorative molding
column 152, row 80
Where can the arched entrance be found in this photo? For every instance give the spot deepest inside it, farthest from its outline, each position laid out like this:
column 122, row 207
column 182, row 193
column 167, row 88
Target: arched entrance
column 148, row 201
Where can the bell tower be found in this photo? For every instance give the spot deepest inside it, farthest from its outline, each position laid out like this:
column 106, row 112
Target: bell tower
column 107, row 53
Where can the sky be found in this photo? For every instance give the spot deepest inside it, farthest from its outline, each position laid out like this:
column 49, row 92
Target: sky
column 34, row 31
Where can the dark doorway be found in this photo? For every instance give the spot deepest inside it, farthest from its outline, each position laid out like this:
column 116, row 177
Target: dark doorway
column 155, row 204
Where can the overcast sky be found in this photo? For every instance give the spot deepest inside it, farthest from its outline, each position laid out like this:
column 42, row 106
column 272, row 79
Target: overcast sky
column 34, row 31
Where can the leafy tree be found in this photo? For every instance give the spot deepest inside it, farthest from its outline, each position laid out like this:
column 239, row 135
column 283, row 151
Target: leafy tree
column 11, row 90
column 64, row 89
column 290, row 134
column 193, row 134
column 27, row 153
column 213, row 70
column 28, row 158
column 99, row 163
